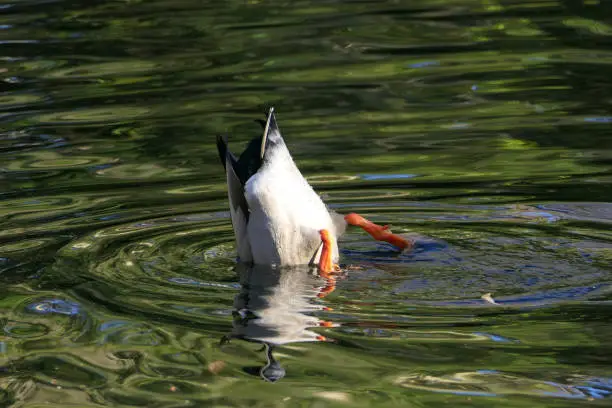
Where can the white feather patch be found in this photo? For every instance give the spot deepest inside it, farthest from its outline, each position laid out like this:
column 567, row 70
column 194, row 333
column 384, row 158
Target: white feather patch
column 286, row 214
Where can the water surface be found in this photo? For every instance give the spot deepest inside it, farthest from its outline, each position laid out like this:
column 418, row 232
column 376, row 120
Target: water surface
column 481, row 129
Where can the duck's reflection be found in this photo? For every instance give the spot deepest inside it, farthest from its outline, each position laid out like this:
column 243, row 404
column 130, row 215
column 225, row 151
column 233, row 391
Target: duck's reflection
column 273, row 309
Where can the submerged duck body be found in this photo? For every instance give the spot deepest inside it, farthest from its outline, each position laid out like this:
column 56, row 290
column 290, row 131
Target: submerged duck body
column 278, row 218
column 286, row 214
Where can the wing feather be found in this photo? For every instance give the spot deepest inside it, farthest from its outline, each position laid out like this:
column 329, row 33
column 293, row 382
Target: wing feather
column 239, row 212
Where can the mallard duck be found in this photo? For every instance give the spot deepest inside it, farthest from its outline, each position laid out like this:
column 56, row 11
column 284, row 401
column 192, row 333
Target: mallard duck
column 278, row 218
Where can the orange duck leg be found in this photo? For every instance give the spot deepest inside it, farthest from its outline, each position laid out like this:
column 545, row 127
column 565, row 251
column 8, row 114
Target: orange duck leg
column 326, row 264
column 378, row 232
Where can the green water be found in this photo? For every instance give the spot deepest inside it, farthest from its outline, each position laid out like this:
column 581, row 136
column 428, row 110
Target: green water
column 481, row 129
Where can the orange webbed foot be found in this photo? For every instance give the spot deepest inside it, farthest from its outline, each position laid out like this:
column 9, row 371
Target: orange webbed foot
column 378, row 232
column 326, row 265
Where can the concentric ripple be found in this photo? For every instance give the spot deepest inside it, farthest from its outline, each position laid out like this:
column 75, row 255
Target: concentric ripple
column 167, row 284
column 178, row 273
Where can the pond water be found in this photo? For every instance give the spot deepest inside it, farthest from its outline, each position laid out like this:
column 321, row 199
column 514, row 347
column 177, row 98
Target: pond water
column 480, row 129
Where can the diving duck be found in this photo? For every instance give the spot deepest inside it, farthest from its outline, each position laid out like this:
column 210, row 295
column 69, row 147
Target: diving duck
column 278, row 218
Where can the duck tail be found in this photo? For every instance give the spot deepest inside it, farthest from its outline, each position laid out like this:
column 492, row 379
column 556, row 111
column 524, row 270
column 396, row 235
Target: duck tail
column 222, row 148
column 272, row 137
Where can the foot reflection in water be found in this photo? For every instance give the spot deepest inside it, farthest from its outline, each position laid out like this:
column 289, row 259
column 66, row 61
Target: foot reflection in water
column 274, row 307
